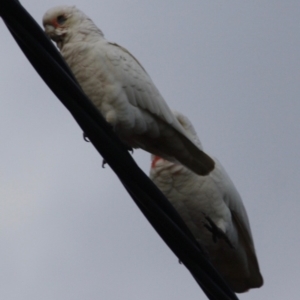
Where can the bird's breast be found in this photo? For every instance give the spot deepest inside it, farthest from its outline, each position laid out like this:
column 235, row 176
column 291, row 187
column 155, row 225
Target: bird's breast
column 90, row 68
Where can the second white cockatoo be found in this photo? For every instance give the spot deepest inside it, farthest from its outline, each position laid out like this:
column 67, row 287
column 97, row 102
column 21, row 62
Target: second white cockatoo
column 121, row 89
column 213, row 210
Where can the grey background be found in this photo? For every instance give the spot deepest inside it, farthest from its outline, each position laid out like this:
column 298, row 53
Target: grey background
column 68, row 229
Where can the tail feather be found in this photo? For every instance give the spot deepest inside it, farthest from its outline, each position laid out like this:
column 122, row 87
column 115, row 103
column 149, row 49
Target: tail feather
column 197, row 160
column 255, row 279
column 175, row 146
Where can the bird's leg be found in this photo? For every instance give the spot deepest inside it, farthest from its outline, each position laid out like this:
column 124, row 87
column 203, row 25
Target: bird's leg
column 216, row 231
column 128, row 148
column 85, row 137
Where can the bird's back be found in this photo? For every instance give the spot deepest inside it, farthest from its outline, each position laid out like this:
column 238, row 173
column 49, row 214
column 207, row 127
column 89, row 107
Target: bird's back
column 215, row 196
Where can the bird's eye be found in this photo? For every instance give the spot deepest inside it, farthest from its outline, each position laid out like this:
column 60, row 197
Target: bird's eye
column 61, row 19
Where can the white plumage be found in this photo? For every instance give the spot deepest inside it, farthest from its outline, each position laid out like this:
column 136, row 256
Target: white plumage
column 121, row 89
column 214, row 196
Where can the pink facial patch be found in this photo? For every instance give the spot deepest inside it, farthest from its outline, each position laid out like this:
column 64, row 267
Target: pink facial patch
column 155, row 160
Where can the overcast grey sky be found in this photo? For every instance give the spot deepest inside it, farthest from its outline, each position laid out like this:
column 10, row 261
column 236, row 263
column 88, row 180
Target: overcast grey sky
column 68, row 229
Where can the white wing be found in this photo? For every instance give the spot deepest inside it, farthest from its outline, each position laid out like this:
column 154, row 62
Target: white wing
column 170, row 141
column 139, row 87
column 240, row 223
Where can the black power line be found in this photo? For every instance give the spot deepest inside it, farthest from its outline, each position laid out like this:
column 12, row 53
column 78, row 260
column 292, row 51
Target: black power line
column 156, row 208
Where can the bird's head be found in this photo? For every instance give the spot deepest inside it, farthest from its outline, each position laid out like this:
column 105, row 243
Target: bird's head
column 63, row 22
column 58, row 22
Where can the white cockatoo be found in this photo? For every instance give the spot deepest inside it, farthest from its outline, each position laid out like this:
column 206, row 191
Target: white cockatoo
column 121, row 89
column 212, row 208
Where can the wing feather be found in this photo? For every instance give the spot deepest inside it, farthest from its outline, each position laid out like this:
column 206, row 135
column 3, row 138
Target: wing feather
column 134, row 77
column 241, row 222
column 255, row 279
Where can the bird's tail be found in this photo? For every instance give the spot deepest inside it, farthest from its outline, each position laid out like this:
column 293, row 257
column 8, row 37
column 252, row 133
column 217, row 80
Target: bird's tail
column 196, row 160
column 175, row 146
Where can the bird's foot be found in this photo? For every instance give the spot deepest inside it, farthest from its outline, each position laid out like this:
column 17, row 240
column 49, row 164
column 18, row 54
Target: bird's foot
column 104, row 162
column 85, row 137
column 217, row 233
column 130, row 150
